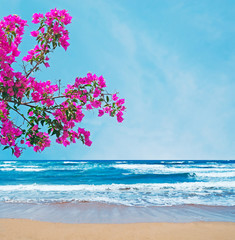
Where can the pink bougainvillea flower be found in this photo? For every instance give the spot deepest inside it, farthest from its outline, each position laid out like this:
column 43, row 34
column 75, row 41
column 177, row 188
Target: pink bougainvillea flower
column 47, row 64
column 34, row 33
column 96, row 93
column 101, row 113
column 36, row 17
column 35, row 128
column 17, row 151
column 88, row 107
column 119, row 116
column 120, row 102
column 115, row 97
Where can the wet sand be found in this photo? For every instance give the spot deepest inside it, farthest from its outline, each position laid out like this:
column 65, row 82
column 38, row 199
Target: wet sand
column 12, row 229
column 93, row 212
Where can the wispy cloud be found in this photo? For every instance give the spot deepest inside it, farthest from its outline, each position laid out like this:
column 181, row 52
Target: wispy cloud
column 174, row 113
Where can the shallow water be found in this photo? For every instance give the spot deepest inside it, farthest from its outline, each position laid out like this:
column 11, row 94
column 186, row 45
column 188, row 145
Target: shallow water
column 108, row 213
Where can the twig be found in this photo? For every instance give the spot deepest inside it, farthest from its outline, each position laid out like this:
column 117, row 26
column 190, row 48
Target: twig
column 19, row 113
column 43, row 52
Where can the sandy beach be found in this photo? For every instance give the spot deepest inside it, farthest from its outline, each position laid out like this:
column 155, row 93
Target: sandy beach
column 129, row 202
column 15, row 229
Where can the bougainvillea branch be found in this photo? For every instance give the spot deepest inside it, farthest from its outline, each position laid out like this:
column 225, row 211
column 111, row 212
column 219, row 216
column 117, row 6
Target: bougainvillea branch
column 44, row 116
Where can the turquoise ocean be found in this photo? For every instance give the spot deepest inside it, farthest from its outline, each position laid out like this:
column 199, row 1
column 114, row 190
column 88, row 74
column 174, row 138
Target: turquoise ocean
column 128, row 183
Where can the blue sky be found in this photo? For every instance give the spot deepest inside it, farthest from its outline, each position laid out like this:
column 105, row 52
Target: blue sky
column 173, row 61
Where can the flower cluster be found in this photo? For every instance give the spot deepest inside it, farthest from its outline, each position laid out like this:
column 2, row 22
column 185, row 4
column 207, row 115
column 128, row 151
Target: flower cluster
column 50, row 111
column 90, row 90
column 38, row 140
column 50, row 33
column 11, row 31
column 9, row 133
column 42, row 91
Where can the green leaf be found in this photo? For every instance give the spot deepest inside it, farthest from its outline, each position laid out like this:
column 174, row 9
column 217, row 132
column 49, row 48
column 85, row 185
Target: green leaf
column 112, row 114
column 54, row 132
column 4, row 94
column 107, row 98
column 67, row 114
column 1, row 114
column 57, row 133
column 54, row 44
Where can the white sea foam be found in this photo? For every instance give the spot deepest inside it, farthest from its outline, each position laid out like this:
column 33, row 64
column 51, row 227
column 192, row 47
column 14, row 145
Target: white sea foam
column 140, row 168
column 127, row 194
column 174, row 162
column 166, row 169
column 117, row 187
column 23, row 169
column 5, row 165
column 216, row 174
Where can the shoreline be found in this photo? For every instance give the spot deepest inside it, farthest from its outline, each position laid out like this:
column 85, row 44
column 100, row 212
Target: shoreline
column 96, row 212
column 35, row 230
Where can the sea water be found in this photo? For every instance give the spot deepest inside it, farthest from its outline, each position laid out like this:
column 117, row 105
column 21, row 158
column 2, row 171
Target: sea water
column 128, row 183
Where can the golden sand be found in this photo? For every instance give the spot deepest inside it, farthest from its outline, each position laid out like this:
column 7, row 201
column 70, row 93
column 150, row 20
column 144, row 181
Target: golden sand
column 22, row 229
